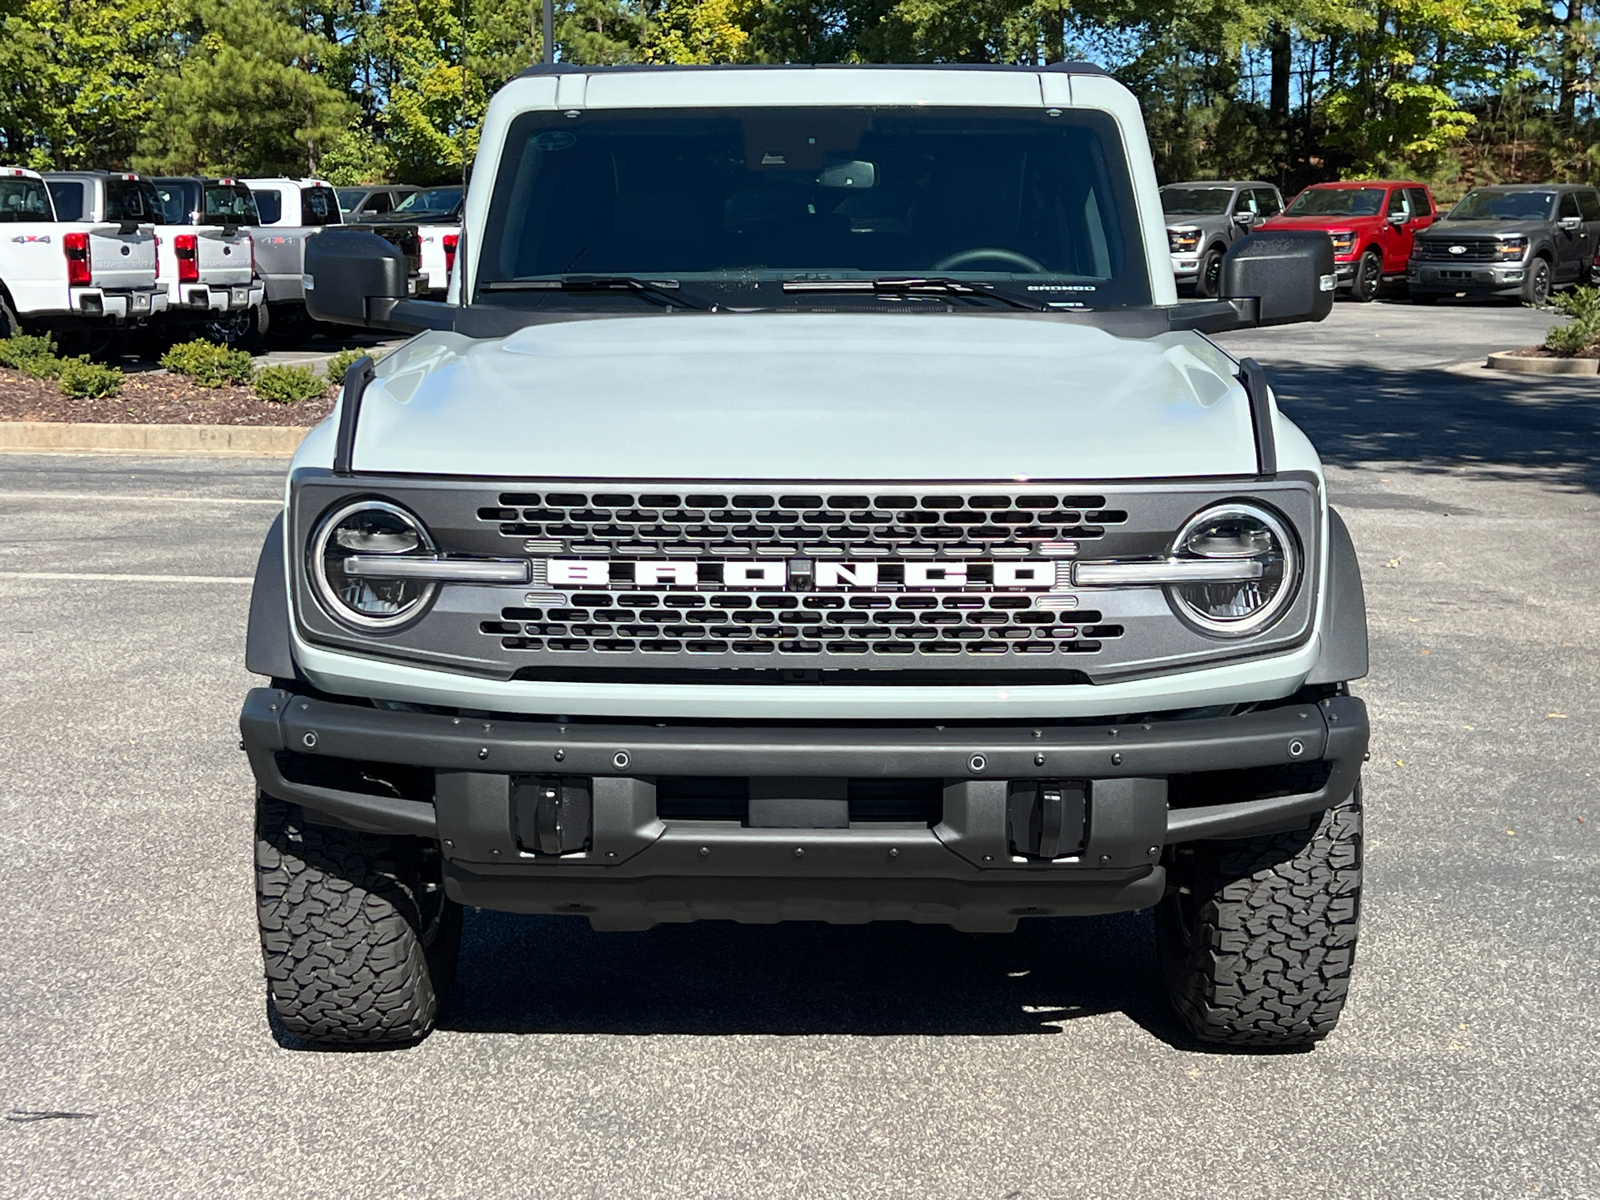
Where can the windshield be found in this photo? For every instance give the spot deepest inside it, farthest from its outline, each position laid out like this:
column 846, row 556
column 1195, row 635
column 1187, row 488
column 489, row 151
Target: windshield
column 743, row 197
column 1195, row 202
column 230, row 204
column 318, row 206
column 1504, row 206
column 435, row 202
column 1337, row 202
column 23, row 199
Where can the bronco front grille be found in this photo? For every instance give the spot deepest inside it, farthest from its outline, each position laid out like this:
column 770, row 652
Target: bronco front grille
column 787, row 624
column 820, row 525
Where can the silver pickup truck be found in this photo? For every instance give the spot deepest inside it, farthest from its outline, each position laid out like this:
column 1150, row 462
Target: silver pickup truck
column 815, row 506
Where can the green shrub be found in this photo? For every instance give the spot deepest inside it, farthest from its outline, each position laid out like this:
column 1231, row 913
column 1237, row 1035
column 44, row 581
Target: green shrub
column 1582, row 306
column 208, row 364
column 80, row 377
column 31, row 355
column 288, row 384
column 343, row 361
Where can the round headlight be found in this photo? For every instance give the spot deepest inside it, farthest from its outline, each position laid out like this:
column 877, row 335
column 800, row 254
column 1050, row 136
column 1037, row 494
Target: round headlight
column 368, row 528
column 1238, row 533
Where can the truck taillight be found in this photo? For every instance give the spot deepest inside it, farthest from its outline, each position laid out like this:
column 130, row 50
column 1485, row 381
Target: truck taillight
column 187, row 248
column 254, row 271
column 76, row 247
column 450, row 242
column 158, row 260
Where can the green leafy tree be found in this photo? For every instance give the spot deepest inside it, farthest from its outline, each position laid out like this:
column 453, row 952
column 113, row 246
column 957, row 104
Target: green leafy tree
column 248, row 98
column 74, row 78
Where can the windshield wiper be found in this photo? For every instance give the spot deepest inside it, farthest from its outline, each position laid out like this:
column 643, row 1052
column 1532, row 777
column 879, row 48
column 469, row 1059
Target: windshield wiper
column 929, row 285
column 665, row 292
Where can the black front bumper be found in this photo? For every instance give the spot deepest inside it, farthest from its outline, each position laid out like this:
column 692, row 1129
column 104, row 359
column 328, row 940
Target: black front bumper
column 638, row 869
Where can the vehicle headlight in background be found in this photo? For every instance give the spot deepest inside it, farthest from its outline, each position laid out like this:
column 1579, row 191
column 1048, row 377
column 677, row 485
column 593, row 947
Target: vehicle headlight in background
column 1183, row 241
column 359, row 529
column 1511, row 249
column 1344, row 242
column 1244, row 534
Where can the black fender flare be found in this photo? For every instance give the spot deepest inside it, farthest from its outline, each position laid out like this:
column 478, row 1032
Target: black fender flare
column 1344, row 632
column 266, row 644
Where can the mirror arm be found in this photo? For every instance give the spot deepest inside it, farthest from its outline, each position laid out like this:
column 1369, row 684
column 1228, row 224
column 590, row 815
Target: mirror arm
column 1216, row 316
column 410, row 316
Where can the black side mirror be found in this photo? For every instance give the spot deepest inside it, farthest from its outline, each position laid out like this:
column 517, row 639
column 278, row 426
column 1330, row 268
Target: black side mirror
column 1287, row 273
column 353, row 278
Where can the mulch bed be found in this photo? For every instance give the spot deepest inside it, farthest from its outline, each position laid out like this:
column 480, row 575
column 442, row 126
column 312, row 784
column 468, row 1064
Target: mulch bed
column 1541, row 352
column 154, row 399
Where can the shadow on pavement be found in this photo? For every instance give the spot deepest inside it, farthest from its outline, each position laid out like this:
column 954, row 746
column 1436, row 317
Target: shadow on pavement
column 1518, row 426
column 522, row 974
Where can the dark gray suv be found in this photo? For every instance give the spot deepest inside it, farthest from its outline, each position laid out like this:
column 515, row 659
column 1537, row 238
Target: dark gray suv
column 1205, row 217
column 1517, row 240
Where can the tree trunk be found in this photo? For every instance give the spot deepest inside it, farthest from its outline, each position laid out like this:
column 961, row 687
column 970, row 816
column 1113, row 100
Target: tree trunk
column 1282, row 59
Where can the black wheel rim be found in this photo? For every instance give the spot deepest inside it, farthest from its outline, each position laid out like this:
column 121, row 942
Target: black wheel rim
column 1213, row 273
column 1369, row 280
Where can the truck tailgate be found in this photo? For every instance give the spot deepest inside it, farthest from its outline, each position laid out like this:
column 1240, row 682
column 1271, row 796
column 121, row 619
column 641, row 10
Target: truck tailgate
column 120, row 260
column 224, row 258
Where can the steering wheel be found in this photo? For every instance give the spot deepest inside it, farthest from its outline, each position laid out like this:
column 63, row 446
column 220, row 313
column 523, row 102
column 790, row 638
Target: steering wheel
column 990, row 254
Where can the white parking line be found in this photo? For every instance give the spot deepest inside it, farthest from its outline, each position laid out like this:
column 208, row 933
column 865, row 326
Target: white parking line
column 102, row 498
column 106, row 577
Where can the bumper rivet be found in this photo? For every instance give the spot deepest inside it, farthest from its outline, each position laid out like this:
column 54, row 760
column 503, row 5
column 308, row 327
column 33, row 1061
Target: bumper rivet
column 620, row 760
column 705, row 851
column 449, row 845
column 894, row 852
column 1296, row 748
column 483, row 752
column 1038, row 760
column 799, row 851
column 495, row 853
column 560, row 755
column 611, row 853
column 1116, row 760
column 310, row 739
column 977, row 762
column 1153, row 851
column 1105, row 858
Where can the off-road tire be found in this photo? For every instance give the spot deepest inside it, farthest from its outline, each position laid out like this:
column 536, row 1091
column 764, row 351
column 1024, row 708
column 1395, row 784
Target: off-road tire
column 1257, row 953
column 1208, row 280
column 1369, row 278
column 358, row 949
column 10, row 326
column 1536, row 288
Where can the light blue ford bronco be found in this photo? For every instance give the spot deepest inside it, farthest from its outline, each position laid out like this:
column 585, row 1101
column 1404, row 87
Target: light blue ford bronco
column 811, row 503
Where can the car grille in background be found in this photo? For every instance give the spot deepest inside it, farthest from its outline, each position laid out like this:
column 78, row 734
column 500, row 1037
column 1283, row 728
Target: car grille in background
column 852, row 525
column 1475, row 250
column 884, row 526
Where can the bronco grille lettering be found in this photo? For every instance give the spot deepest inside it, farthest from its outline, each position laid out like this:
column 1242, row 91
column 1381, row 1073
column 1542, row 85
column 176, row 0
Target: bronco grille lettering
column 744, row 574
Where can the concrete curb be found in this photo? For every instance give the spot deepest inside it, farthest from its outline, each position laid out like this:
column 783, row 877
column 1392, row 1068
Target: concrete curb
column 1522, row 365
column 275, row 441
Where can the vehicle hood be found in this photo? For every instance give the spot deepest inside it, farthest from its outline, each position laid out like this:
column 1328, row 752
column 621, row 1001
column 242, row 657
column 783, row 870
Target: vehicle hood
column 1208, row 224
column 1319, row 222
column 808, row 397
column 1443, row 230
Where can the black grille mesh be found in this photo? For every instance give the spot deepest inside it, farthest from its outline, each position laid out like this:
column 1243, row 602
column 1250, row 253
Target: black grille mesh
column 1474, row 250
column 822, row 525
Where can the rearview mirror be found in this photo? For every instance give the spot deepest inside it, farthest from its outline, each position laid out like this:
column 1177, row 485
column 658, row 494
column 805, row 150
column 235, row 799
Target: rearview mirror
column 1287, row 273
column 849, row 175
column 353, row 278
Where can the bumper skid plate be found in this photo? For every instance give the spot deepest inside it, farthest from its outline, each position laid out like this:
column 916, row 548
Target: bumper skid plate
column 1035, row 820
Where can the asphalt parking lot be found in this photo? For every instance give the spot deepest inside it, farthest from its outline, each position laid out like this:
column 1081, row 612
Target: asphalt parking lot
column 722, row 1061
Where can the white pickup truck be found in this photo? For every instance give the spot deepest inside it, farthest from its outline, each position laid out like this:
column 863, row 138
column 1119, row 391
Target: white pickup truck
column 208, row 260
column 83, row 281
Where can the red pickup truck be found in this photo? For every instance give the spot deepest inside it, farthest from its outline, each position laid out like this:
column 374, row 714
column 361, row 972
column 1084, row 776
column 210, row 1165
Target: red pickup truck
column 1371, row 223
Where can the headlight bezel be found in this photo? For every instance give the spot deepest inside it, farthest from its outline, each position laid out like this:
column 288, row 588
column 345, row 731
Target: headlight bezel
column 1282, row 531
column 1176, row 236
column 327, row 594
